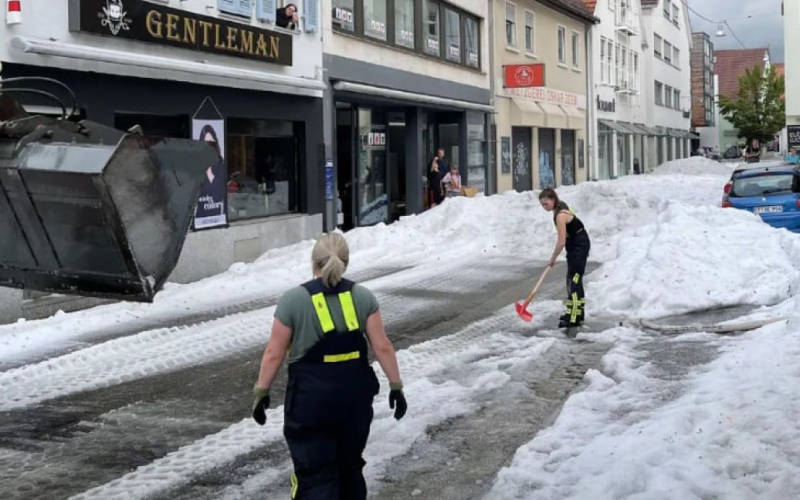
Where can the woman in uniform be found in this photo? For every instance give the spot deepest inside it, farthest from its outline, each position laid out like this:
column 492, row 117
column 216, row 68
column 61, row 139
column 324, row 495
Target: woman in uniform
column 322, row 327
column 573, row 236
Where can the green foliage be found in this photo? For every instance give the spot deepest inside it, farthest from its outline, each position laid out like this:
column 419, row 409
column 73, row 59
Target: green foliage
column 759, row 112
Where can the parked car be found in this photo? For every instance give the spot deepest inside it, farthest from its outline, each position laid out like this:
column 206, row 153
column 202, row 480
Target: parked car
column 771, row 191
column 733, row 153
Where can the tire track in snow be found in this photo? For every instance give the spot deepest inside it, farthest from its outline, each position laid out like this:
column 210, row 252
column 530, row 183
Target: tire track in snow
column 157, row 351
column 426, row 364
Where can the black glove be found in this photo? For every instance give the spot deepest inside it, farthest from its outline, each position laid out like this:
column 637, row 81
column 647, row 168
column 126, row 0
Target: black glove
column 397, row 397
column 260, row 404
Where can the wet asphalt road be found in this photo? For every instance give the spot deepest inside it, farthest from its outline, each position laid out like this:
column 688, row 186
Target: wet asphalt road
column 67, row 445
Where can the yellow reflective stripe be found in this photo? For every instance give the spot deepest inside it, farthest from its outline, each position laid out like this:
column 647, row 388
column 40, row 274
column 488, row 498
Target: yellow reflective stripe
column 324, row 315
column 349, row 311
column 337, row 358
column 295, row 485
column 576, row 279
column 575, row 307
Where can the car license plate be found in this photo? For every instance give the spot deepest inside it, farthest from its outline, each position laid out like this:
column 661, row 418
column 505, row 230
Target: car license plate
column 772, row 209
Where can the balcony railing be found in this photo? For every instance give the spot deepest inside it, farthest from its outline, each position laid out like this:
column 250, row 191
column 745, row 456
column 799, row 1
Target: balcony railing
column 625, row 20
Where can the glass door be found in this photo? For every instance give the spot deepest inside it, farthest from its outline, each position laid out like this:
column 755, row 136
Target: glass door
column 373, row 198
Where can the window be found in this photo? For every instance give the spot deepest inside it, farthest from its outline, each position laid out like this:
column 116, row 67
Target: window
column 432, row 28
column 530, row 32
column 659, row 91
column 603, row 63
column 675, row 15
column 375, row 19
column 404, row 23
column 617, row 65
column 263, row 167
column 622, row 81
column 677, row 99
column 635, row 71
column 668, row 96
column 667, row 52
column 676, row 58
column 562, row 45
column 576, row 47
column 452, row 34
column 511, row 25
column 657, row 41
column 667, row 8
column 343, row 17
column 472, row 41
column 610, row 55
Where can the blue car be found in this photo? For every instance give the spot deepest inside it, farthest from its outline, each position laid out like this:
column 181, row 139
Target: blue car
column 770, row 191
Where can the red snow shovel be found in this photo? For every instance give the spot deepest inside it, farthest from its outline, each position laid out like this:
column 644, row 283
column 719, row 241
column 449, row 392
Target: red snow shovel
column 522, row 309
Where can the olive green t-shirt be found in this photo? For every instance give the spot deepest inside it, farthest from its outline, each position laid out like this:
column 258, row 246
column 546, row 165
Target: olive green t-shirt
column 296, row 311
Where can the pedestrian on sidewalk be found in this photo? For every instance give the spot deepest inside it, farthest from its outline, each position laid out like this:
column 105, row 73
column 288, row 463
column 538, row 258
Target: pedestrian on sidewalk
column 435, row 190
column 323, row 327
column 572, row 235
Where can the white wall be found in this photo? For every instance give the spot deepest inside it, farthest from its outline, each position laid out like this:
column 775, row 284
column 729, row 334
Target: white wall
column 48, row 21
column 791, row 35
column 629, row 108
column 676, row 77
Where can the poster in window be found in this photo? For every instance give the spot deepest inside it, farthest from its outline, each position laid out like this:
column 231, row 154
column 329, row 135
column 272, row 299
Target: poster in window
column 505, row 154
column 209, row 125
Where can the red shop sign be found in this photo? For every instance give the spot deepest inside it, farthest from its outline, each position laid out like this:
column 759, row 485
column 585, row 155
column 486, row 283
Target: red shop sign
column 523, row 75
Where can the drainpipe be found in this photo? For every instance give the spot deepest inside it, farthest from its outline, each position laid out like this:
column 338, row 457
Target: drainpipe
column 591, row 109
column 491, row 177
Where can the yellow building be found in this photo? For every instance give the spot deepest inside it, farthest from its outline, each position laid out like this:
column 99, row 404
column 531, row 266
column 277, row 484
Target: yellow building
column 540, row 89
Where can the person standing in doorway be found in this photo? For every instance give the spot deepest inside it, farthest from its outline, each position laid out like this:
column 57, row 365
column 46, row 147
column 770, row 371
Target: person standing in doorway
column 323, row 327
column 435, row 192
column 572, row 235
column 452, row 182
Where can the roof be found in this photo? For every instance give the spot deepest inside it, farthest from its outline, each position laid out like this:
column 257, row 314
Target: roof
column 731, row 64
column 774, row 168
column 576, row 8
column 590, row 4
column 780, row 68
column 649, row 3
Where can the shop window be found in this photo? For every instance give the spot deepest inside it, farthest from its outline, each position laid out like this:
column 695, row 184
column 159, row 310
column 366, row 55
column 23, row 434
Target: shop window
column 263, row 167
column 375, row 19
column 404, row 23
column 562, row 45
column 343, row 15
column 476, row 150
column 453, row 35
column 471, row 41
column 432, row 28
column 373, row 199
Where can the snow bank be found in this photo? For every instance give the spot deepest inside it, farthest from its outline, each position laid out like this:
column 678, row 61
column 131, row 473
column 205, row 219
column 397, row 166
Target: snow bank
column 728, row 431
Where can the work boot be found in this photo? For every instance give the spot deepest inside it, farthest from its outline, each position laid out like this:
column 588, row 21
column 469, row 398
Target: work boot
column 564, row 322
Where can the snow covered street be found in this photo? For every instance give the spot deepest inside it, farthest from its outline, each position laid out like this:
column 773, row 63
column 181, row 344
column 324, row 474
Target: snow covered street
column 152, row 401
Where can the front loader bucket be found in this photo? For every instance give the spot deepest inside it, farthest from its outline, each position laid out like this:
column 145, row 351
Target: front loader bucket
column 106, row 217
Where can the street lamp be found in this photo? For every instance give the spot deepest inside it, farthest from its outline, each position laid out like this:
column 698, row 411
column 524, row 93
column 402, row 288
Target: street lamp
column 720, row 31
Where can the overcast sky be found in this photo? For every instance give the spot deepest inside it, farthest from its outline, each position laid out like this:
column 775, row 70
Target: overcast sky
column 757, row 23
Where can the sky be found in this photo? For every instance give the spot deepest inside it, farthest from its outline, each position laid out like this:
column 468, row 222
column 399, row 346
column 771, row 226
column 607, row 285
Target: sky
column 757, row 23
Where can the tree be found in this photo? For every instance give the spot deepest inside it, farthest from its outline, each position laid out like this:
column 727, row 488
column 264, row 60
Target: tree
column 759, row 112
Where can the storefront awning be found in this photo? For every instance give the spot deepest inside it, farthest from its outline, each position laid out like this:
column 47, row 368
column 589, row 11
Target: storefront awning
column 650, row 130
column 576, row 117
column 193, row 71
column 556, row 118
column 526, row 114
column 360, row 88
column 638, row 129
column 614, row 126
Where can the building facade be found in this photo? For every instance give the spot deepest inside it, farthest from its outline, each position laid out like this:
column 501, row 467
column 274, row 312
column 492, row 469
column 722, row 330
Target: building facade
column 541, row 73
column 667, row 89
column 174, row 66
column 703, row 89
column 405, row 79
column 791, row 36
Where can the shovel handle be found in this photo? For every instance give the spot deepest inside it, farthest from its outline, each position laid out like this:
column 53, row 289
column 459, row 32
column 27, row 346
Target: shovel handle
column 536, row 288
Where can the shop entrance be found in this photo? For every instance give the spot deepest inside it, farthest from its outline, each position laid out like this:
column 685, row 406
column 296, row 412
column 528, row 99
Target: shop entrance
column 370, row 158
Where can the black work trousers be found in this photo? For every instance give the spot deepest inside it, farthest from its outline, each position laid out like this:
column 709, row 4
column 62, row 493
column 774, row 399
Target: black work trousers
column 578, row 247
column 327, row 417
